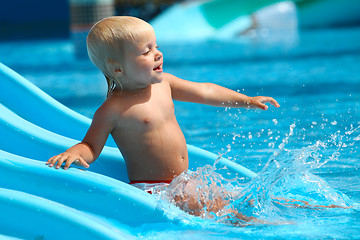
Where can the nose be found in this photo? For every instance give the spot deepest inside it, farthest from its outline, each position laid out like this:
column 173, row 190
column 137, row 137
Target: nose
column 158, row 55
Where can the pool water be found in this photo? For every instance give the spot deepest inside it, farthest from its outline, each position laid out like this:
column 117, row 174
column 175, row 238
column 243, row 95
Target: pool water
column 308, row 149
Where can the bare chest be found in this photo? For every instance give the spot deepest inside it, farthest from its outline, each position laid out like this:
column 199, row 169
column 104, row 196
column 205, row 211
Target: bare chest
column 151, row 112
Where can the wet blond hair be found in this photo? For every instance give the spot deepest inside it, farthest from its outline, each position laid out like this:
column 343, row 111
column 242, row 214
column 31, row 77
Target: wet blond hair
column 106, row 43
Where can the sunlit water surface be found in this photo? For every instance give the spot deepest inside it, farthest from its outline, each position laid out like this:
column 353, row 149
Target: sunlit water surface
column 307, row 152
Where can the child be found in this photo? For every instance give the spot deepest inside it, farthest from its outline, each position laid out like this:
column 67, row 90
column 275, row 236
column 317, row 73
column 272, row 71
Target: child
column 139, row 109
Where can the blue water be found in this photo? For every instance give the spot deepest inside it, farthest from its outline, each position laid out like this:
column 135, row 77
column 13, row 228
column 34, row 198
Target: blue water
column 307, row 150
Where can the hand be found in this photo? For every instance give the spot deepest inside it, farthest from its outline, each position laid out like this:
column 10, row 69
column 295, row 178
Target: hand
column 259, row 102
column 69, row 158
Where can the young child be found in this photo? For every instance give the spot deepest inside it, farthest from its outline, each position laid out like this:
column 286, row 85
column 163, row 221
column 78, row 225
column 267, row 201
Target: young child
column 139, row 109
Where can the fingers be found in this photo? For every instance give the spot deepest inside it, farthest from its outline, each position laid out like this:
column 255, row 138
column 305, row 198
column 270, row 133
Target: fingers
column 51, row 162
column 262, row 106
column 58, row 160
column 69, row 161
column 78, row 162
column 272, row 101
column 85, row 164
column 261, row 102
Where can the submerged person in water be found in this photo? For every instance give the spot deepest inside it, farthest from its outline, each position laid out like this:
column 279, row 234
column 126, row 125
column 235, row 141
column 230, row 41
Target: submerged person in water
column 139, row 109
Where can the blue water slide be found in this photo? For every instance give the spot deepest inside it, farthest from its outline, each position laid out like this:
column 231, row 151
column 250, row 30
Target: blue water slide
column 47, row 199
column 34, row 105
column 23, row 138
column 26, row 216
column 82, row 190
column 199, row 20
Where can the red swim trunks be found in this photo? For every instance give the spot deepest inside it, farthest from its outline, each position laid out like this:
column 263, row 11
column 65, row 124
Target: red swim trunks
column 148, row 186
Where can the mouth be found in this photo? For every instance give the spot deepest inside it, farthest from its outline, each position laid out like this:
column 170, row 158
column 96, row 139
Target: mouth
column 158, row 68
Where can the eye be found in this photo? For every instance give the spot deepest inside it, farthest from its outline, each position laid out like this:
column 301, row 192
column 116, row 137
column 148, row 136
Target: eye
column 147, row 52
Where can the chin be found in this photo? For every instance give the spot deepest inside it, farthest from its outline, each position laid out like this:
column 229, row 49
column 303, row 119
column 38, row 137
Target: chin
column 157, row 80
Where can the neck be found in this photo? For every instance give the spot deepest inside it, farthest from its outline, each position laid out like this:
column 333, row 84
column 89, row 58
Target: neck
column 119, row 91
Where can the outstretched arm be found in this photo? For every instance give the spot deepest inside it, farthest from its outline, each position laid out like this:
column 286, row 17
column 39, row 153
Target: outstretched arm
column 212, row 94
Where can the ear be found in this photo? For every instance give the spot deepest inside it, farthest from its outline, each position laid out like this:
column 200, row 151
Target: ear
column 115, row 68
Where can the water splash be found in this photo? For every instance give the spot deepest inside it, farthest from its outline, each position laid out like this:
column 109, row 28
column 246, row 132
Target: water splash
column 283, row 190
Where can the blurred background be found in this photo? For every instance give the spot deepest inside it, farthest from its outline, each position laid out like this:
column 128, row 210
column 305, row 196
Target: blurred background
column 22, row 19
column 258, row 21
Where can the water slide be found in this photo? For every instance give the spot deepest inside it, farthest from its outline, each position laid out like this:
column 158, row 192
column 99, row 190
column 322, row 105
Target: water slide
column 204, row 19
column 197, row 20
column 97, row 203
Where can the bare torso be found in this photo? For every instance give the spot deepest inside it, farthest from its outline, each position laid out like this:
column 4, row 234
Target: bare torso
column 148, row 134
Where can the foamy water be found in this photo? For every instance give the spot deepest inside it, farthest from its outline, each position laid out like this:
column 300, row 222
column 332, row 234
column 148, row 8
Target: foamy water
column 284, row 192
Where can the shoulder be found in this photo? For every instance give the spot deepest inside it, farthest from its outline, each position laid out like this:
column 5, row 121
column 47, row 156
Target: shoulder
column 177, row 83
column 109, row 110
column 174, row 82
column 169, row 78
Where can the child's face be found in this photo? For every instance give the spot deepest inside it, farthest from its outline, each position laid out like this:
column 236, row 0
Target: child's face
column 143, row 64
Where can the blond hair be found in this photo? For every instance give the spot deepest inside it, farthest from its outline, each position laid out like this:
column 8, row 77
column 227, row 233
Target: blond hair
column 106, row 43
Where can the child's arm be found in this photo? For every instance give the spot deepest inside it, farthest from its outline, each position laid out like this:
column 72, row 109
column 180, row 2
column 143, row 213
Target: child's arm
column 212, row 94
column 89, row 149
